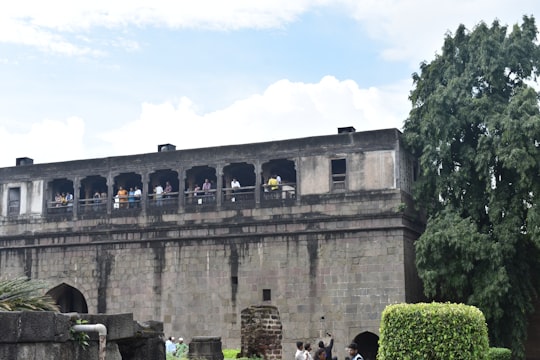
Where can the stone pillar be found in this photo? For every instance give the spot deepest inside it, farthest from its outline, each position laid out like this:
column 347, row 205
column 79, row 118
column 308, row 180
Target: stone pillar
column 76, row 196
column 258, row 184
column 261, row 332
column 145, row 188
column 110, row 194
column 219, row 185
column 205, row 347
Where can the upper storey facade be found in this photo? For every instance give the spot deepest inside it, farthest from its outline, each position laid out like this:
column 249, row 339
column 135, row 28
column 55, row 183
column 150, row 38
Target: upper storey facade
column 271, row 174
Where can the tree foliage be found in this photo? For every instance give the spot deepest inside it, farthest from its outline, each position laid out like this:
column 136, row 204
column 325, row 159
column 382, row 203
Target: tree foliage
column 22, row 294
column 475, row 127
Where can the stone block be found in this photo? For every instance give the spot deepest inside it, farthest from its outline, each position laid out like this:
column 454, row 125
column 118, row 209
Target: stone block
column 36, row 326
column 9, row 331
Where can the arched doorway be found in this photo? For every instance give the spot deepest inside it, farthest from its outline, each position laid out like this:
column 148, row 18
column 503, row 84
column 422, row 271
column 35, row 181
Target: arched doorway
column 69, row 299
column 368, row 345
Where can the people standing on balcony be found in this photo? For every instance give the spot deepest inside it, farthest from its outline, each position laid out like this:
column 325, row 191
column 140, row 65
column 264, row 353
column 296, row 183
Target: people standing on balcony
column 131, row 198
column 122, row 197
column 207, row 186
column 168, row 190
column 278, row 178
column 69, row 201
column 235, row 186
column 158, row 194
column 58, row 200
column 273, row 183
column 137, row 194
column 96, row 200
column 103, row 197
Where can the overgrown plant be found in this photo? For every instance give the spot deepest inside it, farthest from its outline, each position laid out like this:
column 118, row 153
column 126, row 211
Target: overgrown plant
column 23, row 294
column 80, row 337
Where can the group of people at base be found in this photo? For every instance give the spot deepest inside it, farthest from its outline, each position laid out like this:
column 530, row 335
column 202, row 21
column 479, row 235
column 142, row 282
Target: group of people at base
column 303, row 351
column 176, row 347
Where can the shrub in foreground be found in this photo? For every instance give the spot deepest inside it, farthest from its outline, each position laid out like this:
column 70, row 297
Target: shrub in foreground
column 433, row 331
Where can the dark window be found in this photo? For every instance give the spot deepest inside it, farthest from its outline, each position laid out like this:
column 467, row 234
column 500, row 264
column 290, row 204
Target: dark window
column 234, row 280
column 339, row 174
column 267, row 294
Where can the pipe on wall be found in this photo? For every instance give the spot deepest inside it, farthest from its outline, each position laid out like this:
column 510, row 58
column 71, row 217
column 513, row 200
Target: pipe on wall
column 102, row 332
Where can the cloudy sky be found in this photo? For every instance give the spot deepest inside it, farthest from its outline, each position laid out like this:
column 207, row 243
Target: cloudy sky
column 104, row 78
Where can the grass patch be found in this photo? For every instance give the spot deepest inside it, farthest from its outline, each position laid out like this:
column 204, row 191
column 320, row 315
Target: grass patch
column 230, row 353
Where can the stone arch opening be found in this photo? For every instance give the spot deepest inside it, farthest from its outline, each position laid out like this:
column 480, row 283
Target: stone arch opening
column 368, row 345
column 60, row 196
column 284, row 172
column 196, row 191
column 92, row 195
column 166, row 198
column 69, row 299
column 244, row 173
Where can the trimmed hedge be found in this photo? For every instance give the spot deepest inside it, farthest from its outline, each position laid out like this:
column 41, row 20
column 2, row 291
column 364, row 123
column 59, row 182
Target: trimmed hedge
column 433, row 331
column 499, row 354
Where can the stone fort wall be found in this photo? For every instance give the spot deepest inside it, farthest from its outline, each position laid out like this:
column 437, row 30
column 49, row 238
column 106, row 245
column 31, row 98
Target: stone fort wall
column 329, row 255
column 196, row 272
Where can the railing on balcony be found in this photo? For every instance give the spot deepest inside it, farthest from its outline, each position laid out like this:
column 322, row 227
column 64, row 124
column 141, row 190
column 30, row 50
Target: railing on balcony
column 284, row 194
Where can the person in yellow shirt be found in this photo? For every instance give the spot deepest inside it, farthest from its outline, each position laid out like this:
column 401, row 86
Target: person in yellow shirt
column 273, row 183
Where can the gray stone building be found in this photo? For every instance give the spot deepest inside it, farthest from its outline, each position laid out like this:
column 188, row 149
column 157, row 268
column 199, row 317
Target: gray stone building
column 329, row 246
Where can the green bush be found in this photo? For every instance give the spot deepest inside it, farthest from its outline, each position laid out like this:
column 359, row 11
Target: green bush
column 230, row 353
column 433, row 331
column 499, row 354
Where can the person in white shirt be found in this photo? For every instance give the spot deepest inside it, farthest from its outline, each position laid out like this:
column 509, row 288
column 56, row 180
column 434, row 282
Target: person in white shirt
column 170, row 346
column 158, row 191
column 235, row 184
column 137, row 194
column 307, row 351
column 299, row 351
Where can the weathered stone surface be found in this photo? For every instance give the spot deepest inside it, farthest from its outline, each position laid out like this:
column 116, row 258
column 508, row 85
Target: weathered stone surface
column 339, row 252
column 205, row 347
column 46, row 336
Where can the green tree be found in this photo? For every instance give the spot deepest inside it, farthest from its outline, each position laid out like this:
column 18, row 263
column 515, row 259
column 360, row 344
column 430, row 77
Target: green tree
column 475, row 127
column 22, row 294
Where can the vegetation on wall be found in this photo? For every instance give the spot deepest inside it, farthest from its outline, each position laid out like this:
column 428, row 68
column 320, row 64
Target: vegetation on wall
column 475, row 127
column 22, row 294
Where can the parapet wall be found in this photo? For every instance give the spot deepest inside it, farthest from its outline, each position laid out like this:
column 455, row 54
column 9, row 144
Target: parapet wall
column 46, row 336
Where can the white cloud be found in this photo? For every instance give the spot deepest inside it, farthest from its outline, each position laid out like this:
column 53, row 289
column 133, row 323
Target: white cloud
column 284, row 110
column 46, row 141
column 413, row 29
column 410, row 29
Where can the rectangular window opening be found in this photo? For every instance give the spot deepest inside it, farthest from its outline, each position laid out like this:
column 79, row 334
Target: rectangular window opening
column 267, row 295
column 14, row 201
column 339, row 174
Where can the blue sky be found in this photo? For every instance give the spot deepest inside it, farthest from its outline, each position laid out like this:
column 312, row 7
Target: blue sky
column 95, row 80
